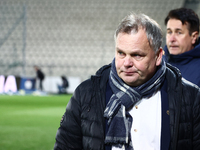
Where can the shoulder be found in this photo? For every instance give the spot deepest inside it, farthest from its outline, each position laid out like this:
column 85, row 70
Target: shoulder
column 103, row 69
column 95, row 82
column 189, row 86
column 176, row 81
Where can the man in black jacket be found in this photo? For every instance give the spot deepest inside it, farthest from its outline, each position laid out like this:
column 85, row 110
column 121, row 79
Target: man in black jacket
column 138, row 102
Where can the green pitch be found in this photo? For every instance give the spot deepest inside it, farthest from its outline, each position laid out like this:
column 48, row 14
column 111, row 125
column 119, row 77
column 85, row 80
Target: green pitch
column 30, row 122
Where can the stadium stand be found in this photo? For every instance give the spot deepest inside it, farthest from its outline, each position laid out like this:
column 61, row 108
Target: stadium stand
column 70, row 37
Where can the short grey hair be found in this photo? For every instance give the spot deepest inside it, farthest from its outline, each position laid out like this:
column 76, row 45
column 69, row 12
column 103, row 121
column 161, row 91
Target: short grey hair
column 134, row 22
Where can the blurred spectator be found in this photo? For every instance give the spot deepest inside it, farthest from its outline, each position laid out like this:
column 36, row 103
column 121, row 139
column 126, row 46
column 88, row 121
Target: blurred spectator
column 40, row 76
column 65, row 84
column 182, row 48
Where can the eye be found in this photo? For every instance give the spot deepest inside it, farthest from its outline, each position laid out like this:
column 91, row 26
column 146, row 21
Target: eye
column 137, row 56
column 169, row 32
column 179, row 32
column 121, row 54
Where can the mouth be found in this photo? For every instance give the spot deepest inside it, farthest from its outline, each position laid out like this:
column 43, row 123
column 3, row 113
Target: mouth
column 129, row 73
column 173, row 47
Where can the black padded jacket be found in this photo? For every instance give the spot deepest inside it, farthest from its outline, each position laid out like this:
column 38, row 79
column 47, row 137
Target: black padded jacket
column 82, row 126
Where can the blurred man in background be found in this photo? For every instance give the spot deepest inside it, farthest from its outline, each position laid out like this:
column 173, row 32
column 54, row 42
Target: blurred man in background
column 138, row 102
column 182, row 48
column 62, row 89
column 40, row 76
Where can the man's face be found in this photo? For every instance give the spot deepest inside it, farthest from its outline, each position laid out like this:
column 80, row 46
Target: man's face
column 178, row 39
column 135, row 60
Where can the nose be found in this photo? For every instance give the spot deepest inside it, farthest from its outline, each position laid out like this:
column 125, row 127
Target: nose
column 172, row 38
column 128, row 62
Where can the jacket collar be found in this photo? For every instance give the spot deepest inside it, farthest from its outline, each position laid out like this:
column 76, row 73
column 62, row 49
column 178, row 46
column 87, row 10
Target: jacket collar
column 183, row 58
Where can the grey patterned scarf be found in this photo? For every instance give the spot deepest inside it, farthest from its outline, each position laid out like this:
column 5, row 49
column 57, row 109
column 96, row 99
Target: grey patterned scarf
column 123, row 99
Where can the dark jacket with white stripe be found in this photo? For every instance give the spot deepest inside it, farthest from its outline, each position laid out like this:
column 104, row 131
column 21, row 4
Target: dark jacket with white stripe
column 83, row 125
column 187, row 62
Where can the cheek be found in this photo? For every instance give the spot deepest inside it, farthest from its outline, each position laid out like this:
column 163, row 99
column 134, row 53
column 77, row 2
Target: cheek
column 146, row 66
column 167, row 39
column 118, row 63
column 117, row 67
column 142, row 67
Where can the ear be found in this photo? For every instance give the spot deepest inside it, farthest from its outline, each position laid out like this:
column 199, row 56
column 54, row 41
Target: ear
column 194, row 37
column 159, row 56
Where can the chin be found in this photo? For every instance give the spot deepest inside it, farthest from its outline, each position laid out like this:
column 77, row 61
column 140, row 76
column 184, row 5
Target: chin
column 174, row 52
column 130, row 82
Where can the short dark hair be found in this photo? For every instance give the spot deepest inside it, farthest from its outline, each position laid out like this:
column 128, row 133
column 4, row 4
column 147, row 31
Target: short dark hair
column 185, row 15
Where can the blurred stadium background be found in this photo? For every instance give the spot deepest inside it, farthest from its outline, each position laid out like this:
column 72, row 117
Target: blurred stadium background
column 63, row 37
column 68, row 37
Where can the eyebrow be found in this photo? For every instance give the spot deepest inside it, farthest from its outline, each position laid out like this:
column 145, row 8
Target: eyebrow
column 176, row 29
column 118, row 49
column 138, row 51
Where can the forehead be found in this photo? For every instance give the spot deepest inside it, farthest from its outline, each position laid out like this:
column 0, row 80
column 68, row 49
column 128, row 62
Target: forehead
column 176, row 24
column 132, row 40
